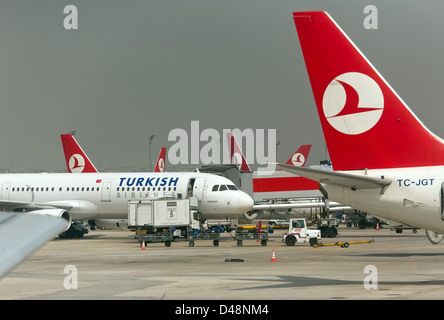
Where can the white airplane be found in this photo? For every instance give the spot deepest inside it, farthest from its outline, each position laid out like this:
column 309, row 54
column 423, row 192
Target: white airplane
column 281, row 185
column 96, row 196
column 373, row 138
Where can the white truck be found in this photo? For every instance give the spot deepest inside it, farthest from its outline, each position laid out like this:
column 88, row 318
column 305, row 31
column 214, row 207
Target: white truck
column 163, row 213
column 165, row 220
column 298, row 232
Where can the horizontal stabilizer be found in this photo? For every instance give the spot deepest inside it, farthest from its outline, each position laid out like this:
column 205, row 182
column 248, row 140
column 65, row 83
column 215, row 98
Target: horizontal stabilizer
column 353, row 181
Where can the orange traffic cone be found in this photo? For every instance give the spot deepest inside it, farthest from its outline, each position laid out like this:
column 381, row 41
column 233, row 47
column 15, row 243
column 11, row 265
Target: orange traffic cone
column 377, row 225
column 143, row 245
column 273, row 257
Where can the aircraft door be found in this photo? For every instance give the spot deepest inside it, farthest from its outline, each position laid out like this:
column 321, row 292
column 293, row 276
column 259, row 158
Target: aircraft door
column 198, row 188
column 106, row 191
column 5, row 190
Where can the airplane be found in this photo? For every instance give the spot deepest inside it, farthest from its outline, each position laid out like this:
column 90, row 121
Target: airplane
column 372, row 136
column 88, row 196
column 282, row 185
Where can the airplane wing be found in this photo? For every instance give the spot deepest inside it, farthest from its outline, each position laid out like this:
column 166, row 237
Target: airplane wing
column 350, row 180
column 10, row 205
column 23, row 233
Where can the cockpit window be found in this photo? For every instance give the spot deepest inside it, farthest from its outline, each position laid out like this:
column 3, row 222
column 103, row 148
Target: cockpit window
column 232, row 187
column 223, row 187
column 215, row 187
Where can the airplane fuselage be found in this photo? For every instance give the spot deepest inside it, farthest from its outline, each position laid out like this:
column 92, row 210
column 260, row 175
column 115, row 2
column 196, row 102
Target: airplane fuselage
column 415, row 196
column 106, row 195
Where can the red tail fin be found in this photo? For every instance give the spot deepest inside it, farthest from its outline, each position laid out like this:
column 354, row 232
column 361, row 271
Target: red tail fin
column 299, row 158
column 365, row 123
column 76, row 159
column 236, row 154
column 160, row 164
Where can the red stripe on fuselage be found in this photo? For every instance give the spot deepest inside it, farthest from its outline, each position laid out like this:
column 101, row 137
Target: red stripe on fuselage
column 283, row 184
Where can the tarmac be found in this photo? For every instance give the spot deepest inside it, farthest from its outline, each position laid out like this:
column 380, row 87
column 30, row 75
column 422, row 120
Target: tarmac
column 108, row 265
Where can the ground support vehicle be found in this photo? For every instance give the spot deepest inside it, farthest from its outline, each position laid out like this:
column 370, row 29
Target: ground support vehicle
column 298, row 232
column 328, row 227
column 151, row 236
column 251, row 234
column 163, row 220
column 400, row 229
column 206, row 235
column 341, row 244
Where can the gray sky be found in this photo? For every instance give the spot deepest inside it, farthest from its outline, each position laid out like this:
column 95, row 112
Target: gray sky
column 143, row 67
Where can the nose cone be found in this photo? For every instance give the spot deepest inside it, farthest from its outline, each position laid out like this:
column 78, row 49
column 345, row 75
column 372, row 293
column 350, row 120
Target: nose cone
column 245, row 202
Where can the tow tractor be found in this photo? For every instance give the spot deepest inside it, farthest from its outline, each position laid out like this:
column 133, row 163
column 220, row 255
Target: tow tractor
column 298, row 232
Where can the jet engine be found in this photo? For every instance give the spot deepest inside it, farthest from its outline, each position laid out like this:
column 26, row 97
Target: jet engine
column 60, row 213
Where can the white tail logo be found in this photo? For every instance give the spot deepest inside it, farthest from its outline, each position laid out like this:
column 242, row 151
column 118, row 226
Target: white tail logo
column 76, row 163
column 353, row 103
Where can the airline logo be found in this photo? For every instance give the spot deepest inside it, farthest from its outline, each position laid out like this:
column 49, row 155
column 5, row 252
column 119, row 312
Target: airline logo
column 161, row 165
column 298, row 159
column 353, row 103
column 149, row 182
column 76, row 163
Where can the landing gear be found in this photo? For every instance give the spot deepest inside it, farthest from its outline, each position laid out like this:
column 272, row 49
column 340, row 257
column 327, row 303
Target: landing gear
column 77, row 230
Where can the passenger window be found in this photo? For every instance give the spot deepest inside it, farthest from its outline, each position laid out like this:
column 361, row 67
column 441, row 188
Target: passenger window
column 215, row 187
column 223, row 187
